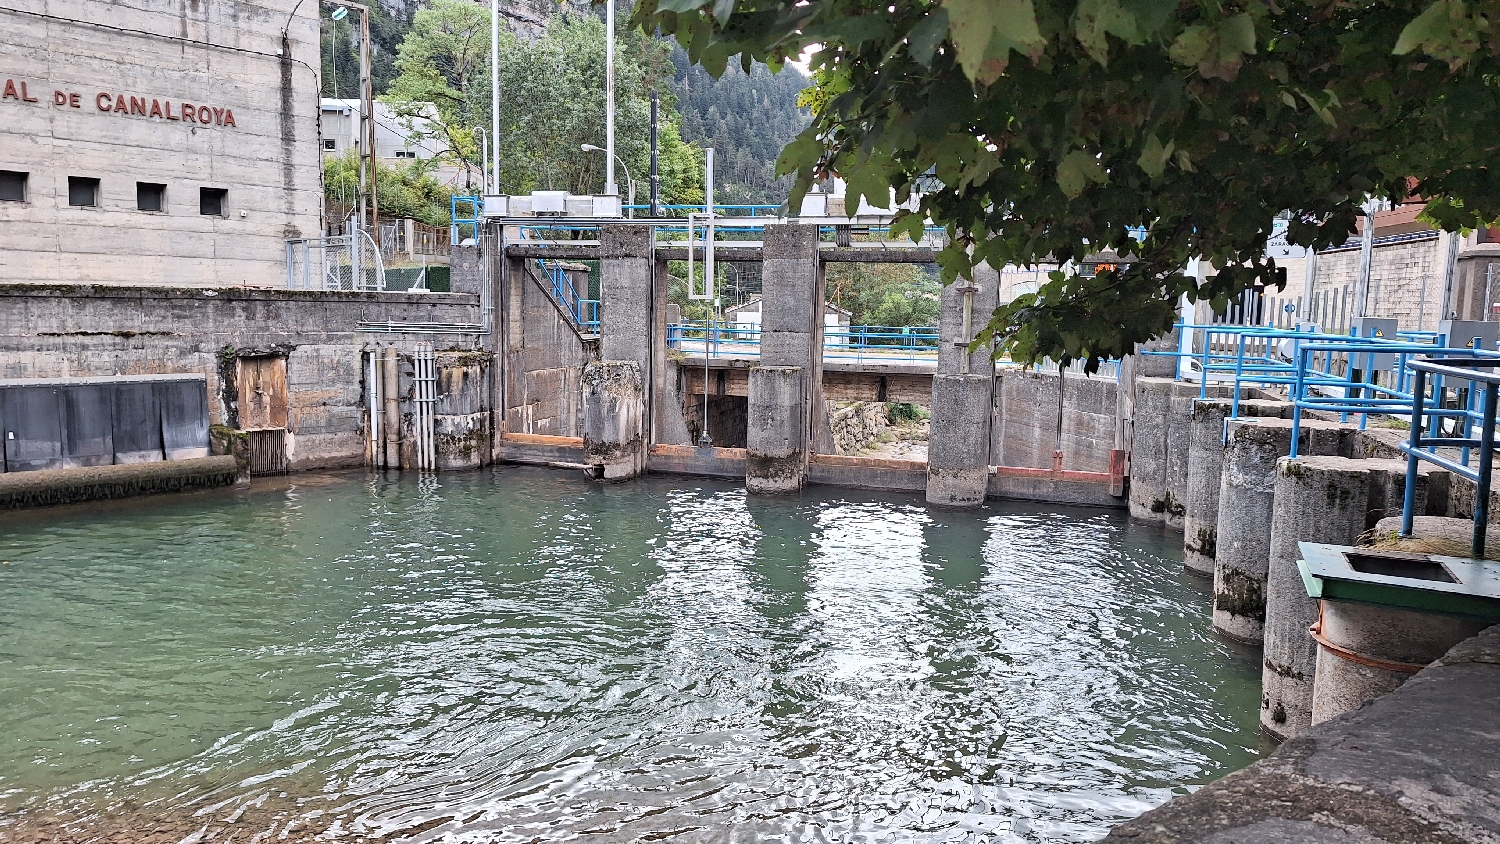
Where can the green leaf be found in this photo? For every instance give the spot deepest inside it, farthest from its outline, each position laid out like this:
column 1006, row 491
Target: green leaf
column 1077, row 169
column 984, row 33
column 923, row 39
column 1445, row 31
column 723, row 9
column 869, row 179
column 679, row 5
column 1097, row 18
column 1154, row 156
column 1290, row 100
column 1238, row 33
column 802, row 153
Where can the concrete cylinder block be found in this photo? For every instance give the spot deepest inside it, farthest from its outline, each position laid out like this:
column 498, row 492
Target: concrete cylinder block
column 1205, row 475
column 776, row 430
column 614, row 414
column 1148, row 450
column 1246, row 491
column 1318, row 499
column 958, row 446
column 1366, row 651
column 1158, row 366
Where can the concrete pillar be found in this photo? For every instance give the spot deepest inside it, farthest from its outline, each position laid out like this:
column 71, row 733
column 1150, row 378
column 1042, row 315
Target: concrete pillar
column 776, row 430
column 1317, row 499
column 1148, row 448
column 1178, row 437
column 958, row 445
column 1366, row 652
column 461, row 419
column 625, row 295
column 1246, row 493
column 791, row 335
column 614, row 419
column 668, row 425
column 958, row 450
column 1157, row 366
column 1200, row 537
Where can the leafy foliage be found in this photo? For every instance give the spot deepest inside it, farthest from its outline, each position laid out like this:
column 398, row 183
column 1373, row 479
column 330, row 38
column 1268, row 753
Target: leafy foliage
column 1052, row 126
column 340, row 50
column 403, row 191
column 552, row 101
column 885, row 294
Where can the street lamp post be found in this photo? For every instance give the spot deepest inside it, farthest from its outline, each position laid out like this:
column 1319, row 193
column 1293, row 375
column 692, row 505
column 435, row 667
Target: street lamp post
column 366, row 117
column 630, row 182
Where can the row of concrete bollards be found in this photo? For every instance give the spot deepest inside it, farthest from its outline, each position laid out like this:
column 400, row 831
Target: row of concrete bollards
column 1244, row 507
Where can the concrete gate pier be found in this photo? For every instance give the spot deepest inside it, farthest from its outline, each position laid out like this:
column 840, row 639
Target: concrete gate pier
column 614, row 417
column 958, row 451
column 776, row 430
column 1148, row 450
column 1317, row 499
column 1200, row 536
column 1246, row 492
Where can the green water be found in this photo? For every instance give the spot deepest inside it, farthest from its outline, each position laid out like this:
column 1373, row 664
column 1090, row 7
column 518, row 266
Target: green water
column 519, row 655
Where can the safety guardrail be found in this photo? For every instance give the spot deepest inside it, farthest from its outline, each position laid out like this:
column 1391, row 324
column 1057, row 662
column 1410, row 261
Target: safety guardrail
column 1425, row 414
column 860, row 342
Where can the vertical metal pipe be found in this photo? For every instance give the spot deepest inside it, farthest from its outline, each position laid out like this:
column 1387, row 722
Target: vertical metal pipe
column 609, row 99
column 1486, row 469
column 1366, row 257
column 392, row 422
column 494, row 138
column 1409, row 495
column 655, row 177
column 372, row 387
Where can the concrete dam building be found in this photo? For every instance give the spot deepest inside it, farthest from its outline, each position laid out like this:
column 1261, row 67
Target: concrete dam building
column 157, row 144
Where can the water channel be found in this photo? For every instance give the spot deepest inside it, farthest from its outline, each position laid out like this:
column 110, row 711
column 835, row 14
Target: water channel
column 519, row 655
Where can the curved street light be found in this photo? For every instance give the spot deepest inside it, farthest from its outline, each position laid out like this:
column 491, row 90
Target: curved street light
column 629, row 181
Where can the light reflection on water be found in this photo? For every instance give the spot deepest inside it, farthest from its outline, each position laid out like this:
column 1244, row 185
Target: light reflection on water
column 521, row 656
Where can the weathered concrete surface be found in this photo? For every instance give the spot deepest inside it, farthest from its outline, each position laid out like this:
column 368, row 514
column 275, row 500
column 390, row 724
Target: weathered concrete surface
column 625, row 295
column 461, row 419
column 958, row 446
column 86, row 330
column 776, row 430
column 1418, row 766
column 614, row 419
column 952, row 343
column 1024, row 432
column 1206, row 444
column 1053, row 490
column 543, row 358
column 1148, row 454
column 1318, row 499
column 792, row 285
column 66, row 486
column 1246, row 494
column 1390, row 645
column 1157, row 366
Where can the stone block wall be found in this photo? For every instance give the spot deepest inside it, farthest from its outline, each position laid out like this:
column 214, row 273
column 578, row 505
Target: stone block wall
column 1396, row 272
column 544, row 359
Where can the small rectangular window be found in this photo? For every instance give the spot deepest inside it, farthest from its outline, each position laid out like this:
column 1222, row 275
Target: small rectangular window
column 12, row 186
column 150, row 196
column 330, row 143
column 83, row 192
column 211, row 201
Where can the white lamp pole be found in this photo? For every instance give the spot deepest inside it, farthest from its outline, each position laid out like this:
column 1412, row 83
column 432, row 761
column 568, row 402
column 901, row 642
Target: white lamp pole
column 494, row 94
column 610, row 187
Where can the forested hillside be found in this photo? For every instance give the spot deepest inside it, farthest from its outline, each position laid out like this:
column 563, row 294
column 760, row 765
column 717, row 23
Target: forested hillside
column 747, row 119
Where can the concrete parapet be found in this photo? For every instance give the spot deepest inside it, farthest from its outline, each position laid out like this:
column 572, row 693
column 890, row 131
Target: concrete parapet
column 1246, row 492
column 89, row 483
column 1157, row 366
column 1415, row 767
column 1317, row 499
column 614, row 415
column 1205, row 475
column 776, row 430
column 958, row 447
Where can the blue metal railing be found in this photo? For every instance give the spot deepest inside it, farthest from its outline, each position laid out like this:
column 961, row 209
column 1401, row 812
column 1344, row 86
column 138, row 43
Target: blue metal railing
column 585, row 312
column 1422, row 416
column 859, row 342
column 470, row 206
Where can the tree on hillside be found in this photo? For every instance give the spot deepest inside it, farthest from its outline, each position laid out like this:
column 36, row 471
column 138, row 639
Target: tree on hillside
column 552, row 101
column 747, row 118
column 408, row 191
column 340, row 51
column 885, row 294
column 1044, row 129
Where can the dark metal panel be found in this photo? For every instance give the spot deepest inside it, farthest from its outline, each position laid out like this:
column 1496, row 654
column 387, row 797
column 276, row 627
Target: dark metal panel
column 137, row 424
column 184, row 418
column 33, row 435
column 268, row 451
column 87, row 425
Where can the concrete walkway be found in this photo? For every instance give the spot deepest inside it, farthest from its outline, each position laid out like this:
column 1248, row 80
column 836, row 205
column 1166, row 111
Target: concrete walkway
column 1420, row 766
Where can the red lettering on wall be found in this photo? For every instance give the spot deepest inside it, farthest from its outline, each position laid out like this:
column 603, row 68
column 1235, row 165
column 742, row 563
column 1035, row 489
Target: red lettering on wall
column 73, row 101
column 10, row 91
column 120, row 107
column 59, row 98
column 101, row 101
column 26, row 95
column 155, row 109
column 219, row 116
column 228, row 117
column 190, row 112
column 138, row 105
column 170, row 115
column 205, row 115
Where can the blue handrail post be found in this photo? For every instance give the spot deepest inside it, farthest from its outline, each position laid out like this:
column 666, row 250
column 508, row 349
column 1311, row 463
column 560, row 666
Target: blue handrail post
column 1239, row 372
column 1486, row 469
column 1208, row 340
column 1303, row 361
column 1409, row 494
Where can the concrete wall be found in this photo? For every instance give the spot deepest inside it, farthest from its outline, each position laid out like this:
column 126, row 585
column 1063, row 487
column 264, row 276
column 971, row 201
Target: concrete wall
column 219, row 59
column 49, row 331
column 1025, row 429
column 1396, row 272
column 543, row 360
